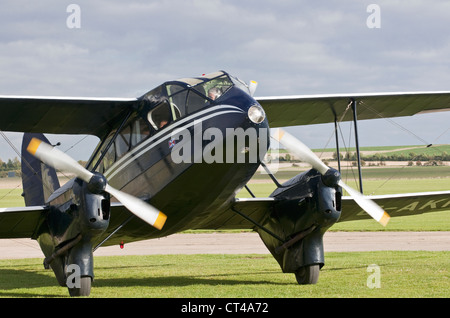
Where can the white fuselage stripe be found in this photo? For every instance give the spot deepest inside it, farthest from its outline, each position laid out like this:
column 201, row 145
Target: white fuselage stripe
column 145, row 147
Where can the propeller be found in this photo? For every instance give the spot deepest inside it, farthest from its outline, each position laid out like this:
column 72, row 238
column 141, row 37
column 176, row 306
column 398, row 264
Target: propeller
column 306, row 155
column 61, row 161
column 252, row 87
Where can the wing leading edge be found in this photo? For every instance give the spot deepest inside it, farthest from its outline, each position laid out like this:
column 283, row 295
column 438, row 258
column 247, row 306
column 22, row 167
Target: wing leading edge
column 21, row 222
column 62, row 115
column 93, row 116
column 318, row 109
column 24, row 222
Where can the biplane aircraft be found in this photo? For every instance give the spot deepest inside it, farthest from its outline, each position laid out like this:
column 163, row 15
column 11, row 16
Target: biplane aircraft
column 174, row 159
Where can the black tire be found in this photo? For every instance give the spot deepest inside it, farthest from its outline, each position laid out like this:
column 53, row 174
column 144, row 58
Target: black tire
column 85, row 287
column 308, row 274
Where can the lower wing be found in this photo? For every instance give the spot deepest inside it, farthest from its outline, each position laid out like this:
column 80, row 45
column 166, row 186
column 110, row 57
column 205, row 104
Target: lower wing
column 395, row 205
column 22, row 222
column 25, row 222
column 399, row 204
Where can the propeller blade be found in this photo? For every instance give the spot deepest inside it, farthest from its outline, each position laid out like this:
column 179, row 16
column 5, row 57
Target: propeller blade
column 306, row 155
column 373, row 209
column 61, row 161
column 57, row 159
column 252, row 87
column 138, row 207
column 299, row 149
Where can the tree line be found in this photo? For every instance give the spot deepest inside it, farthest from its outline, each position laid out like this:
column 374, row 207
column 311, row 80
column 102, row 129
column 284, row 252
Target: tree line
column 444, row 156
column 12, row 165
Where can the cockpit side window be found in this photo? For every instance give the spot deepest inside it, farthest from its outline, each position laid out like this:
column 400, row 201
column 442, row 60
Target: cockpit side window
column 160, row 116
column 177, row 100
column 195, row 102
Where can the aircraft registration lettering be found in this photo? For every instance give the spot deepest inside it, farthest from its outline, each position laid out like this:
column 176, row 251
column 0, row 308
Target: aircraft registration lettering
column 428, row 205
column 410, row 207
column 417, row 206
column 432, row 204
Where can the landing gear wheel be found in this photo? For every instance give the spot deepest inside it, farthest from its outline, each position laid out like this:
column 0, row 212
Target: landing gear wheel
column 85, row 287
column 308, row 274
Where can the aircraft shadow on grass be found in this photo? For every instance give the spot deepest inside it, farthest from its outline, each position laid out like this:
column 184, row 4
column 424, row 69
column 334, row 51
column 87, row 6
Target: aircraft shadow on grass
column 30, row 279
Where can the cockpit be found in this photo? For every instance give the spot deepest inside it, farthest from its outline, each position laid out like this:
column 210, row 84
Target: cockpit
column 175, row 99
column 162, row 106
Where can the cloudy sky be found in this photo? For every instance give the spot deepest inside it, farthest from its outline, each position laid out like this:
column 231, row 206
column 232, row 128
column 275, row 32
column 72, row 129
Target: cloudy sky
column 125, row 48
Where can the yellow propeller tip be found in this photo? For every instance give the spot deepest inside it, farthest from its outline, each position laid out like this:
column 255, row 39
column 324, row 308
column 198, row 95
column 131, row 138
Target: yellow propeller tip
column 33, row 145
column 160, row 220
column 384, row 219
column 278, row 134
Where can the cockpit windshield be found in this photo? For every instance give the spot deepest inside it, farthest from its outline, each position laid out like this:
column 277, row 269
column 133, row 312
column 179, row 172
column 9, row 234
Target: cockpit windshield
column 211, row 86
column 176, row 99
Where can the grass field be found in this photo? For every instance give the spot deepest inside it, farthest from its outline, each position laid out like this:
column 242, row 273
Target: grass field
column 417, row 274
column 402, row 274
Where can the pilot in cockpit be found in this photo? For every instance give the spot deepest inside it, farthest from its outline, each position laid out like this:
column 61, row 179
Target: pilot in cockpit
column 214, row 93
column 160, row 116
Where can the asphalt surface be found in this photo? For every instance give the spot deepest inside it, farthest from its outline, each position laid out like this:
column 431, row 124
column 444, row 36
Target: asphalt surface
column 247, row 243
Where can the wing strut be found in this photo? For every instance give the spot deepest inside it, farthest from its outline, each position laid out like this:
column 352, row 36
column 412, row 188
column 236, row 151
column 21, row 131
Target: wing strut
column 338, row 152
column 272, row 176
column 355, row 121
column 113, row 232
column 250, row 191
column 258, row 225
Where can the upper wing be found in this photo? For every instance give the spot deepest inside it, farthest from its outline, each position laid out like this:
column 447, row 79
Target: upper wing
column 20, row 222
column 62, row 115
column 317, row 109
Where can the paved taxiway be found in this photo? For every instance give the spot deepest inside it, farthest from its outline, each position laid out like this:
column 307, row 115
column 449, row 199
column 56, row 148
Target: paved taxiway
column 247, row 243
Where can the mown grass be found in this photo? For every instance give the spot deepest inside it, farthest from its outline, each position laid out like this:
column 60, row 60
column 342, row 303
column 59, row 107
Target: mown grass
column 417, row 274
column 402, row 274
column 11, row 198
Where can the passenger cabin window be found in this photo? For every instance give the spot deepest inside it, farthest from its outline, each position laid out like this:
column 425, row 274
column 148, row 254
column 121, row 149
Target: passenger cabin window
column 130, row 135
column 110, row 156
column 123, row 141
column 140, row 131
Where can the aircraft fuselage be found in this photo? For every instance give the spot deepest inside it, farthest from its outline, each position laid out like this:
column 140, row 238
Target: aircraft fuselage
column 190, row 169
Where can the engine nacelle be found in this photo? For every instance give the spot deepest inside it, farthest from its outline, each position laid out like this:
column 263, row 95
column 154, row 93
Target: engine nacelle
column 310, row 205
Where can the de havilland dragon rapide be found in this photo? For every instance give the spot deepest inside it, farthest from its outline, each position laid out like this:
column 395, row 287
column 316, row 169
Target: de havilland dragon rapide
column 174, row 159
